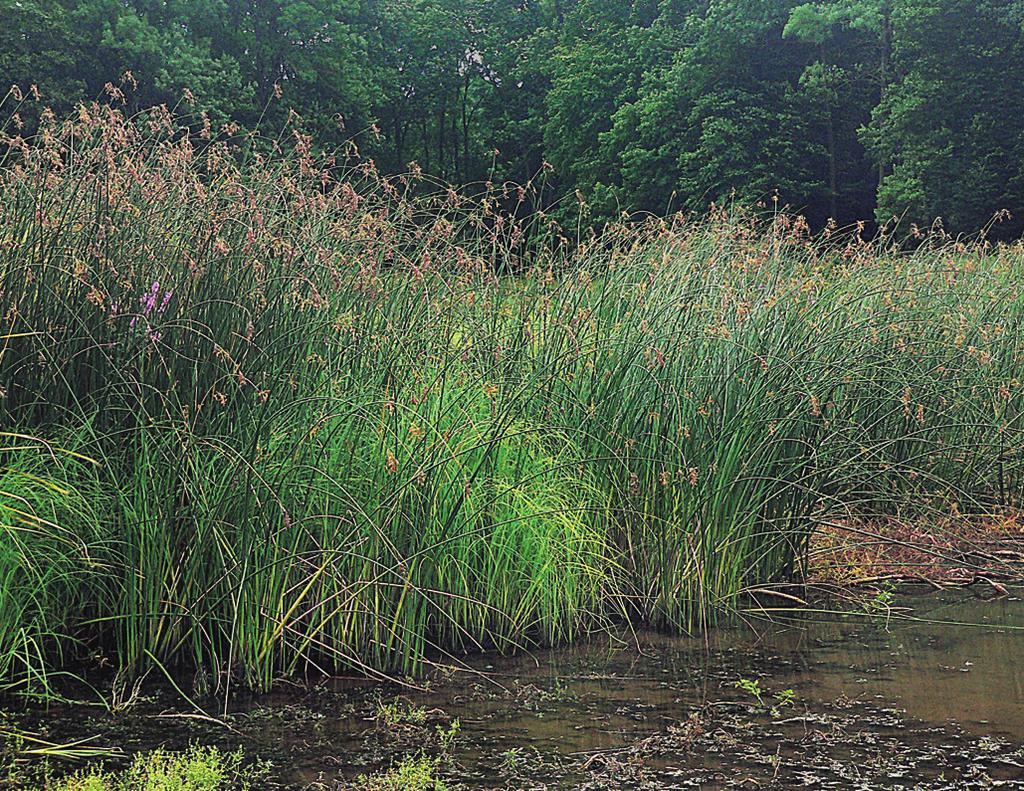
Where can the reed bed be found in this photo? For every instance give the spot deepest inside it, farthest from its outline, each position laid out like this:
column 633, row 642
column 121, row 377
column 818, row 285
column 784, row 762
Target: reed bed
column 268, row 413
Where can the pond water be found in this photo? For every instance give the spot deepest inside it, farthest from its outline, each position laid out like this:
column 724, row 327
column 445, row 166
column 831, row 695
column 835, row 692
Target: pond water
column 928, row 697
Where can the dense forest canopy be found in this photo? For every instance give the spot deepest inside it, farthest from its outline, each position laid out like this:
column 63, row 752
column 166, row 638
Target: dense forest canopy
column 845, row 109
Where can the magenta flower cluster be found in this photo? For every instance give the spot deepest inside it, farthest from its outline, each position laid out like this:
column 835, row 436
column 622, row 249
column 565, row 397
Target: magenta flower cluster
column 148, row 303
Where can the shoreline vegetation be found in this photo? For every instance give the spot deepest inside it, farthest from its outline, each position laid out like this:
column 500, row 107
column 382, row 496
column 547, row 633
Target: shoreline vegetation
column 268, row 413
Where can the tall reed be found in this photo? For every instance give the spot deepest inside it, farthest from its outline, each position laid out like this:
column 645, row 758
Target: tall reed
column 342, row 420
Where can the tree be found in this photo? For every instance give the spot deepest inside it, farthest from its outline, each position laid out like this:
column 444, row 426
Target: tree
column 725, row 118
column 953, row 120
column 847, row 78
column 39, row 46
column 843, row 108
column 598, row 68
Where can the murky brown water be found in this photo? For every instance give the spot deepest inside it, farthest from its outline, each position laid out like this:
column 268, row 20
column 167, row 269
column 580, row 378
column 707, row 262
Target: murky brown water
column 933, row 698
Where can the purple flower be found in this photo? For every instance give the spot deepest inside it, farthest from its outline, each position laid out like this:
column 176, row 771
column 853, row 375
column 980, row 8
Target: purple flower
column 148, row 303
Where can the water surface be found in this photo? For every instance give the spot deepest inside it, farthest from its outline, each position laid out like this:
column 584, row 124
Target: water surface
column 931, row 697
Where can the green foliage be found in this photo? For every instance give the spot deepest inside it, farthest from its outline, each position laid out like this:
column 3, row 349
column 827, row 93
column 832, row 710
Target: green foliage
column 881, row 602
column 847, row 110
column 196, row 769
column 950, row 124
column 751, row 686
column 446, row 736
column 410, row 774
column 774, row 704
column 396, row 713
column 784, row 698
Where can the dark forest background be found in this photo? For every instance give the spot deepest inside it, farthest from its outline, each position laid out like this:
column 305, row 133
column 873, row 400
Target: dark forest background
column 852, row 109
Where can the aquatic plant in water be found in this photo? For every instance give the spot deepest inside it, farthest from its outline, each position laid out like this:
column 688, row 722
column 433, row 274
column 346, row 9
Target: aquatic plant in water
column 364, row 423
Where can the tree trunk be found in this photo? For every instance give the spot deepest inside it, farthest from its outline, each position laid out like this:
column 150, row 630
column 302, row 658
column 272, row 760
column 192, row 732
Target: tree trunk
column 442, row 114
column 465, row 129
column 833, row 180
column 458, row 175
column 399, row 142
column 425, row 135
column 883, row 76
